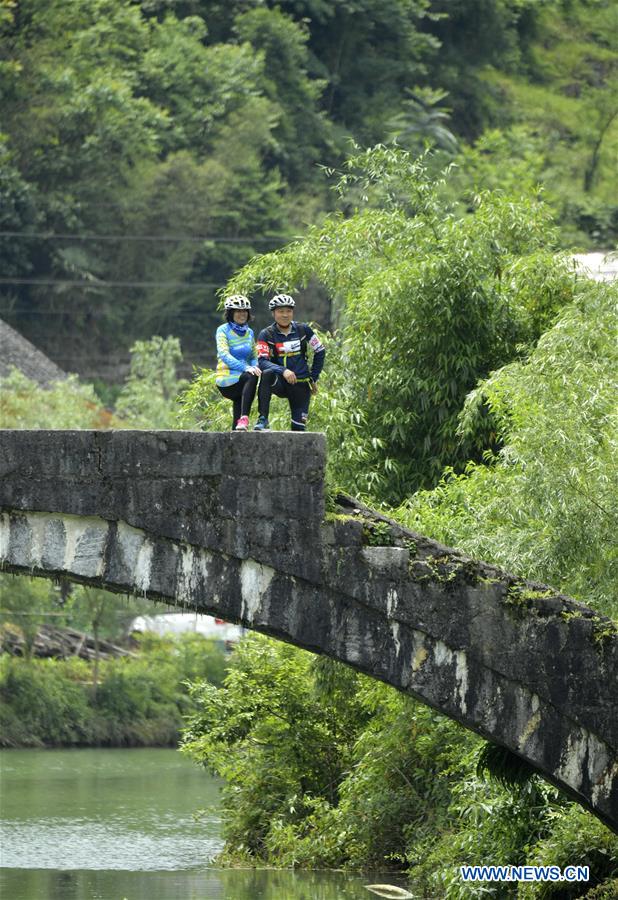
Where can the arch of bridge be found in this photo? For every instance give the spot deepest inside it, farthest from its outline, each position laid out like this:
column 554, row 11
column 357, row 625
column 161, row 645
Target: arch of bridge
column 234, row 525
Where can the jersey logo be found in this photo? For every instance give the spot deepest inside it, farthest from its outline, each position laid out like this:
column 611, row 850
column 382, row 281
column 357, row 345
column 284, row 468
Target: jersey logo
column 262, row 350
column 287, row 347
column 314, row 343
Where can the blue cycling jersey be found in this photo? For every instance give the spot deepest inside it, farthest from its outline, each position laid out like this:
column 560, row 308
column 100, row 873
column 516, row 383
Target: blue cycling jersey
column 235, row 351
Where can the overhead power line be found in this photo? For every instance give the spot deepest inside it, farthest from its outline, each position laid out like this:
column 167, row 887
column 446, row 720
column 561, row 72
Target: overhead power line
column 119, row 360
column 46, row 282
column 189, row 314
column 172, row 238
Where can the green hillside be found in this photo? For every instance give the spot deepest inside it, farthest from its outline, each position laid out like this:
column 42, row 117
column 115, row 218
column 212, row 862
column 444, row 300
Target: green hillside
column 147, row 150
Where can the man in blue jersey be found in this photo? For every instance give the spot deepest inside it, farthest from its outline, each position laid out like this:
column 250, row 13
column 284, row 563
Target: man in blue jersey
column 282, row 357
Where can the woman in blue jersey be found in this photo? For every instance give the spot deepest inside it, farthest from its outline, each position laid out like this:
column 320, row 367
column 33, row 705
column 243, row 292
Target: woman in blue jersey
column 237, row 370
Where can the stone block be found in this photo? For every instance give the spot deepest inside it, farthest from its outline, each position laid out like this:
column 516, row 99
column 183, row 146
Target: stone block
column 391, row 562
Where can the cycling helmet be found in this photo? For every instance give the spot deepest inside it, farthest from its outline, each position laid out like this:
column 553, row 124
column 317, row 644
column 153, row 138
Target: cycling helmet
column 237, row 301
column 281, row 300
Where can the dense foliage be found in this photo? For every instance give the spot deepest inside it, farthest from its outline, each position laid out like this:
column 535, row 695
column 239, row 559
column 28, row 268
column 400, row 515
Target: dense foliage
column 537, row 493
column 431, row 299
column 325, row 768
column 546, row 505
column 134, row 701
column 148, row 149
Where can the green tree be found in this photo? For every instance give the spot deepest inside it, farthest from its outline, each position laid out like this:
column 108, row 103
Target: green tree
column 369, row 52
column 430, row 300
column 77, row 128
column 25, row 605
column 605, row 106
column 510, row 160
column 103, row 613
column 302, row 135
column 84, row 117
column 575, row 834
column 148, row 397
column 226, row 195
column 364, row 52
column 565, row 97
column 394, row 794
column 421, row 121
column 280, row 730
column 120, row 125
column 547, row 505
column 197, row 86
column 18, row 213
column 476, row 37
column 64, row 404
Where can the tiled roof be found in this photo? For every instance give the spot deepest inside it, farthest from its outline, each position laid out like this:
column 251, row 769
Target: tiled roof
column 16, row 351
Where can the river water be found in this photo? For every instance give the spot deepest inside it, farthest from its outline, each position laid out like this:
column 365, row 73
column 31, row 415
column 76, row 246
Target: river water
column 128, row 825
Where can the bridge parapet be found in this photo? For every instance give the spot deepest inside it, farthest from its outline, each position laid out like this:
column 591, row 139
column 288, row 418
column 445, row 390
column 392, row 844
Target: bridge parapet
column 248, row 495
column 234, row 525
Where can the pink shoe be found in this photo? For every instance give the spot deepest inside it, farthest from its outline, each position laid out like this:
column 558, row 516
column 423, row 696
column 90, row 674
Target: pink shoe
column 242, row 424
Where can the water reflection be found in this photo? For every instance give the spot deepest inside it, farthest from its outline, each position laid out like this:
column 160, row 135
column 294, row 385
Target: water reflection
column 114, row 824
column 227, row 884
column 105, row 809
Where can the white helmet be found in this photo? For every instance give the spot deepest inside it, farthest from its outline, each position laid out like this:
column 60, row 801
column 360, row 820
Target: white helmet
column 281, row 300
column 237, row 301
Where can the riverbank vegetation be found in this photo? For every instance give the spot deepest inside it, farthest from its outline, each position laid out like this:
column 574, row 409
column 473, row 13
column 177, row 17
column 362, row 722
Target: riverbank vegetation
column 139, row 700
column 327, row 768
column 323, row 767
column 471, row 327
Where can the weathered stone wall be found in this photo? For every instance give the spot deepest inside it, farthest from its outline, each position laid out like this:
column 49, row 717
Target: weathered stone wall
column 234, row 493
column 233, row 524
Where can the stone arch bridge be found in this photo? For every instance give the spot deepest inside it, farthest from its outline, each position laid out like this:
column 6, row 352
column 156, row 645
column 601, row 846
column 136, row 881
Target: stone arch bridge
column 234, row 525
